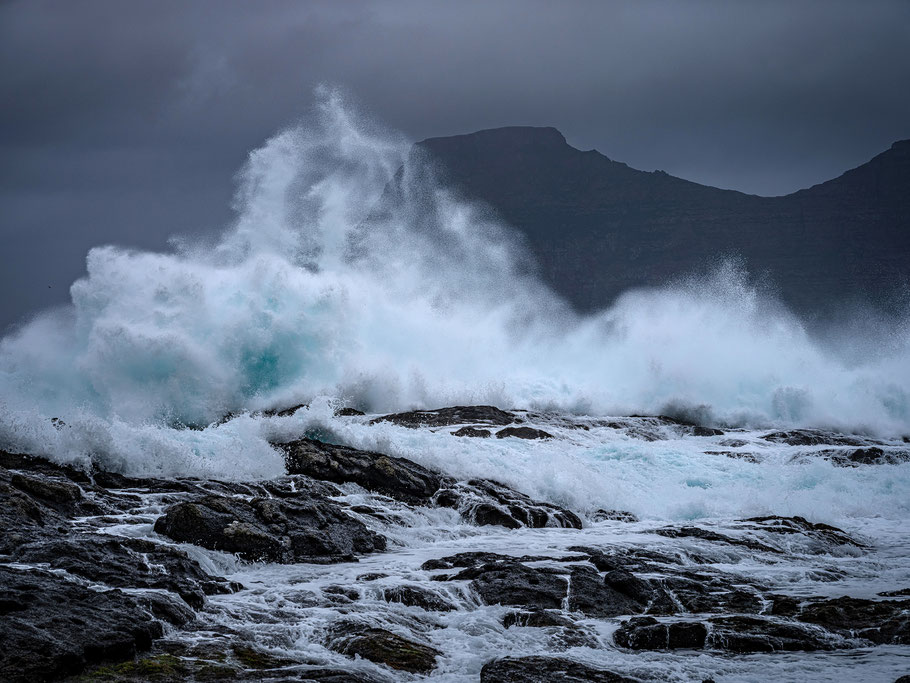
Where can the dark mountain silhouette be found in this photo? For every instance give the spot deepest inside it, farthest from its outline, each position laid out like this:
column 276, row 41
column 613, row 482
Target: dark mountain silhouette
column 598, row 227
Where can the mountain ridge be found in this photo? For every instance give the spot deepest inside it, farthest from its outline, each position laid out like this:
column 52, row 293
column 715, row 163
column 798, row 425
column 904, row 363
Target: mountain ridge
column 598, row 227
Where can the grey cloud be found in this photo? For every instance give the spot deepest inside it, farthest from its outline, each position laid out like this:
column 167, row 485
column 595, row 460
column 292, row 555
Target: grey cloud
column 125, row 122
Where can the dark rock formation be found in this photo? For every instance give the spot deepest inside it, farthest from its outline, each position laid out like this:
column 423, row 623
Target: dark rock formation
column 646, row 633
column 513, row 583
column 523, row 433
column 484, row 502
column 472, row 431
column 395, row 477
column 416, row 596
column 127, row 563
column 382, row 647
column 456, row 415
column 51, row 627
column 613, row 515
column 546, row 670
column 292, row 530
column 881, row 621
column 756, row 634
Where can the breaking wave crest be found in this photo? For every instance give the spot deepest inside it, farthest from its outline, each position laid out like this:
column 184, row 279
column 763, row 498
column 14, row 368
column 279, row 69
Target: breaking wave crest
column 352, row 272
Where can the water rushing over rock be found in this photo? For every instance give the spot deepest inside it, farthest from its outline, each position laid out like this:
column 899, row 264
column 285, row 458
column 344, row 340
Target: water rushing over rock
column 432, row 575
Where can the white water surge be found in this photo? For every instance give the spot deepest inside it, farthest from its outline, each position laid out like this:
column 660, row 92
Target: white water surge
column 332, row 284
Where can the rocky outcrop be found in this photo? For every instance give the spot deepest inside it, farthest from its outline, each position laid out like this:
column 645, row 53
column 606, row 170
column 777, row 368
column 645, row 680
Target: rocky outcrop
column 484, row 502
column 382, row 647
column 456, row 415
column 127, row 563
column 51, row 627
column 395, row 477
column 268, row 529
column 546, row 670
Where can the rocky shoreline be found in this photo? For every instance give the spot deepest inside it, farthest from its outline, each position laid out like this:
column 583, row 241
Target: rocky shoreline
column 103, row 576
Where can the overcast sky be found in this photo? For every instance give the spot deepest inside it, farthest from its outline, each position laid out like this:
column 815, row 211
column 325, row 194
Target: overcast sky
column 124, row 122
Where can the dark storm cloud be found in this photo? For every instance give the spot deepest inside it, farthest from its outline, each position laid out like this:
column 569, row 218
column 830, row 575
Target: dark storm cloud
column 124, row 122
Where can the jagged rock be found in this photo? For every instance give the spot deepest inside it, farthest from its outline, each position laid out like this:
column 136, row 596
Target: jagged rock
column 51, row 627
column 395, row 477
column 382, row 647
column 308, row 530
column 127, row 563
column 444, row 417
column 523, row 433
column 881, row 621
column 473, row 431
column 614, row 515
column 647, row 633
column 486, row 502
column 539, row 669
column 415, row 596
column 756, row 634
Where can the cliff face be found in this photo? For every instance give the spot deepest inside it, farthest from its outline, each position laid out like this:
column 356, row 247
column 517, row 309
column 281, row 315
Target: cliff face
column 598, row 227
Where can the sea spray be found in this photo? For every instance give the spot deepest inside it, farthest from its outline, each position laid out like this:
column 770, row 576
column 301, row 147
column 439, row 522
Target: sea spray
column 352, row 271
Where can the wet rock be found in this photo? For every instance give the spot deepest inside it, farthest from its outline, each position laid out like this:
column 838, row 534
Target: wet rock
column 647, row 633
column 698, row 430
column 523, row 433
column 337, row 676
column 713, row 536
column 814, row 437
column 477, row 559
column 383, row 647
column 756, row 634
column 540, row 669
column 51, row 627
column 473, row 431
column 537, row 618
column 513, row 583
column 881, row 621
column 345, row 591
column 60, row 492
column 486, row 502
column 395, row 477
column 444, row 417
column 415, row 596
column 284, row 531
column 614, row 515
column 127, row 563
column 619, row 592
column 823, row 537
column 349, row 412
